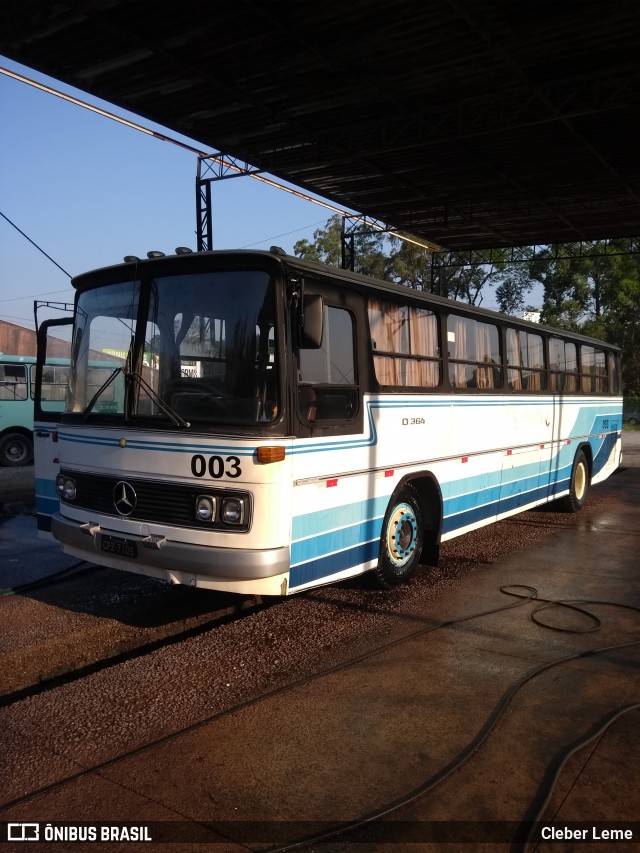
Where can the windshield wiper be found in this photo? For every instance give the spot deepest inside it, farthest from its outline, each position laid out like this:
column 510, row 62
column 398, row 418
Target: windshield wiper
column 98, row 393
column 164, row 407
column 128, row 373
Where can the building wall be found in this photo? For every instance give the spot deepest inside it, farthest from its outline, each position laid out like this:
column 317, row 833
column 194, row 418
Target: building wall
column 18, row 340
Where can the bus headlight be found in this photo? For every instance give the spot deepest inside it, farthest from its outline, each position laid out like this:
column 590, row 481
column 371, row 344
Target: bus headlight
column 233, row 510
column 205, row 508
column 66, row 487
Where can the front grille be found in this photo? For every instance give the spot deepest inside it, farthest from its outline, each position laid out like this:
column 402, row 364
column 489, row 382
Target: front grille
column 157, row 502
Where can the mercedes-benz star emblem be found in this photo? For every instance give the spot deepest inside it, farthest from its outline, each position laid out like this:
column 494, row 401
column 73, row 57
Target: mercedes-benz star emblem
column 124, row 498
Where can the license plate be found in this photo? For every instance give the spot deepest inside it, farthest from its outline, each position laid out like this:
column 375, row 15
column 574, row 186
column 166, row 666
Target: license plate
column 119, row 547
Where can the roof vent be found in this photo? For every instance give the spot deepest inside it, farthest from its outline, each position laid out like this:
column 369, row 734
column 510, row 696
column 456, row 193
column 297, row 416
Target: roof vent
column 183, row 250
column 277, row 250
column 155, row 254
column 131, row 259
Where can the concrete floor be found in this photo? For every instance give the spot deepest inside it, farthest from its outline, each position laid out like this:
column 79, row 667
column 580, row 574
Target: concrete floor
column 362, row 739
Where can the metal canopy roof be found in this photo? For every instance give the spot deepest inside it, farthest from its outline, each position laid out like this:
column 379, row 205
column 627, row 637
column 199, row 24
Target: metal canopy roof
column 469, row 123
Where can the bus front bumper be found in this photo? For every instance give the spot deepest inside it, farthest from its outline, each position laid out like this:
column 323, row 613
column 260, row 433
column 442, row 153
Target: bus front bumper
column 233, row 569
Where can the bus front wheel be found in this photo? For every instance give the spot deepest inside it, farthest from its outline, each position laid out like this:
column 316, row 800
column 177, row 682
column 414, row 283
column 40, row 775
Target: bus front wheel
column 401, row 540
column 15, row 449
column 580, row 482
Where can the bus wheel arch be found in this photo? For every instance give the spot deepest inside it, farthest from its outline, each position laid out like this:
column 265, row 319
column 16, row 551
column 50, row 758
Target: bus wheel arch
column 580, row 480
column 16, row 448
column 430, row 496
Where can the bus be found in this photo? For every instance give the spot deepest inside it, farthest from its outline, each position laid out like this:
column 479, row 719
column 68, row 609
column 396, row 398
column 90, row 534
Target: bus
column 16, row 409
column 286, row 425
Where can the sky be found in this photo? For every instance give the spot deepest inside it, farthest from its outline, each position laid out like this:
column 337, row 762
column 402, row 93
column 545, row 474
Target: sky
column 89, row 191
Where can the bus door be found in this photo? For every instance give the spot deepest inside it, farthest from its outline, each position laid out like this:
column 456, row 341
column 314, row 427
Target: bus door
column 522, row 474
column 49, row 398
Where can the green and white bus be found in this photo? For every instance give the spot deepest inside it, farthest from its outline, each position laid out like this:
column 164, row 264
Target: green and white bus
column 17, row 375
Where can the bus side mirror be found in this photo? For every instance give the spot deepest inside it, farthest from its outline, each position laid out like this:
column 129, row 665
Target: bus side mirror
column 311, row 321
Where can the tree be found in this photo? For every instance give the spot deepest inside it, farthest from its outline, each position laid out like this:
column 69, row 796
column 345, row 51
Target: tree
column 326, row 248
column 566, row 290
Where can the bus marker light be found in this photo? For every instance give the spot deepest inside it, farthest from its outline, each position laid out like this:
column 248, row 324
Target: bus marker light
column 271, row 454
column 465, row 458
column 509, row 452
column 54, row 436
column 388, row 473
column 331, row 483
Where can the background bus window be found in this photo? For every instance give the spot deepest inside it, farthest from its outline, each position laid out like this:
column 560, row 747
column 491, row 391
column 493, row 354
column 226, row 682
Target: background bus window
column 13, row 382
column 406, row 349
column 474, row 353
column 327, row 376
column 525, row 357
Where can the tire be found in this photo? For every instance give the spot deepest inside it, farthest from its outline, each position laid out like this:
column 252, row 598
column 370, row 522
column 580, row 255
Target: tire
column 580, row 482
column 15, row 450
column 401, row 539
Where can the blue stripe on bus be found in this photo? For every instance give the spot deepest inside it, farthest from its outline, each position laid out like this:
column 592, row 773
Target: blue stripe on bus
column 336, row 540
column 47, row 501
column 331, row 564
column 164, row 446
column 47, row 505
column 522, row 486
column 325, row 520
column 46, row 487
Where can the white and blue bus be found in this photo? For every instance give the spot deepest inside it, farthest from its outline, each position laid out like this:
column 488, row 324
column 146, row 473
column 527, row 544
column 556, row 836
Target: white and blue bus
column 286, row 425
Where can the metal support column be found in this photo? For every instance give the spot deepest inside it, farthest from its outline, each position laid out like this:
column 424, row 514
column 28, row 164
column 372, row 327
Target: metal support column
column 214, row 167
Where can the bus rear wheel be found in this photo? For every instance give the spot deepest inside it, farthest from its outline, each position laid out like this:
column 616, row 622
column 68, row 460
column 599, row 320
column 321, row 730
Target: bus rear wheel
column 401, row 539
column 15, row 450
column 580, row 482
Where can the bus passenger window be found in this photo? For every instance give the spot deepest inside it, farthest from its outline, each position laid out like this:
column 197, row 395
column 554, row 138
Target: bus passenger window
column 525, row 357
column 404, row 340
column 593, row 368
column 327, row 376
column 563, row 363
column 13, row 382
column 474, row 353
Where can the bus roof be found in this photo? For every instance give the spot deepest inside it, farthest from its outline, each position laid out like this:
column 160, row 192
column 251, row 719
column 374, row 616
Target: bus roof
column 291, row 264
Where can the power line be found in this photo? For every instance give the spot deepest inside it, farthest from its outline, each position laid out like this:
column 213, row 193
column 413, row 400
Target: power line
column 220, row 159
column 33, row 243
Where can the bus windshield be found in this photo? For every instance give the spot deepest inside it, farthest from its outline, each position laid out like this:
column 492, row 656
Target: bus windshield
column 191, row 349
